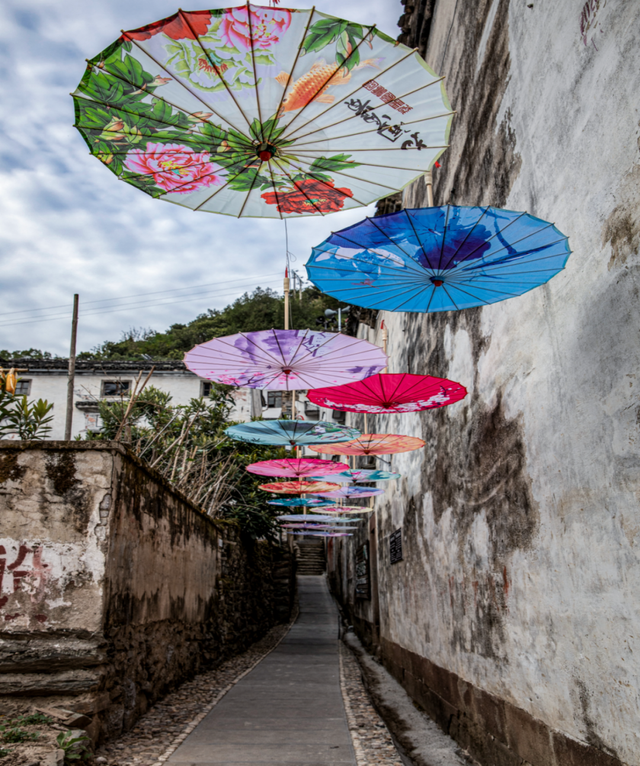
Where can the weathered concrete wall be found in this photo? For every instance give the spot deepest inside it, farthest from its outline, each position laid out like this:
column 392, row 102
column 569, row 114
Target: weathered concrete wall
column 114, row 587
column 513, row 616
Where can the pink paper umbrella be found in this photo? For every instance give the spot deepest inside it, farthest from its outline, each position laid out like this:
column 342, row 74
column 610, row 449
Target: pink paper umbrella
column 300, row 487
column 285, row 360
column 296, row 467
column 390, row 393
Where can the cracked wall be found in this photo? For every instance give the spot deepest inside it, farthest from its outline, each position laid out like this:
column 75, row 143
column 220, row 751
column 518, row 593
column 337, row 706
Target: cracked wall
column 513, row 616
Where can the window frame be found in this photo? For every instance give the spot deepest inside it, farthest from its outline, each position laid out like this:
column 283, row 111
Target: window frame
column 117, row 383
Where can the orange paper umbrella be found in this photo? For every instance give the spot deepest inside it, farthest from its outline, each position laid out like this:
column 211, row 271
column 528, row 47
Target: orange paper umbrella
column 371, row 444
column 300, row 487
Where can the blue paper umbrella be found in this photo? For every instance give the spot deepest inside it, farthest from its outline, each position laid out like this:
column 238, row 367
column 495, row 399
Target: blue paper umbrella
column 438, row 258
column 358, row 476
column 294, row 433
column 308, row 502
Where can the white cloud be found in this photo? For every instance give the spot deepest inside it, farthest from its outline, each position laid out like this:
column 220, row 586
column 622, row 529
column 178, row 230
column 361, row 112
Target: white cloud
column 68, row 225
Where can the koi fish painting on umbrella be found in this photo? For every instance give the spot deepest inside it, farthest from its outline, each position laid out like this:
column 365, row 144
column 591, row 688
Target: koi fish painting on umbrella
column 268, row 112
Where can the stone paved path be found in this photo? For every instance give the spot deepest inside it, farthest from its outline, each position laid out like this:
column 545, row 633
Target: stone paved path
column 289, row 709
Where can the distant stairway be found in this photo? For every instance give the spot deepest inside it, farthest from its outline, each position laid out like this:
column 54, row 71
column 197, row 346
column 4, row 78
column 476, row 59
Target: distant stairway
column 310, row 557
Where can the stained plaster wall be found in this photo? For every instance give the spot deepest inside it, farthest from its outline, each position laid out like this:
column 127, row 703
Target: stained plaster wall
column 114, row 587
column 514, row 616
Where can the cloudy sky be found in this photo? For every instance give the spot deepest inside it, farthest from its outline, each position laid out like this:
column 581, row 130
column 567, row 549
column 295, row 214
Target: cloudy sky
column 68, row 225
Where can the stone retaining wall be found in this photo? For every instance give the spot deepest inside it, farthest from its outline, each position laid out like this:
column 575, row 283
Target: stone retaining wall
column 114, row 587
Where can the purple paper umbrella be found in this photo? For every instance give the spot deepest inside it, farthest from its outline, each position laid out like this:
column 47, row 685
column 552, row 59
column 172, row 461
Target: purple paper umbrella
column 286, row 359
column 352, row 492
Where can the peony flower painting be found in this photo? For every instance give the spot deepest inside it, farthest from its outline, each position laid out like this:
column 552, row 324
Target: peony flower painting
column 174, row 168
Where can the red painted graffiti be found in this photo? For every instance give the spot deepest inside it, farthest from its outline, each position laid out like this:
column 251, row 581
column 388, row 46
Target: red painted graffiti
column 17, row 571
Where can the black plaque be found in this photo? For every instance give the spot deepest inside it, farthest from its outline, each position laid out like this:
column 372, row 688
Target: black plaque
column 363, row 583
column 395, row 546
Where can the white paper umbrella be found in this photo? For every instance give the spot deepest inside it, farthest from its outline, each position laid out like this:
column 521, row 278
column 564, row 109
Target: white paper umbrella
column 268, row 112
column 285, row 359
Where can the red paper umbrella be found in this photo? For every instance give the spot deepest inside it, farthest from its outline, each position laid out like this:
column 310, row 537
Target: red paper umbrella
column 390, row 393
column 299, row 487
column 296, row 467
column 371, row 444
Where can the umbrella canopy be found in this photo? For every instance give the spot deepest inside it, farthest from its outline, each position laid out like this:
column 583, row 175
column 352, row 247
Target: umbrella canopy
column 372, row 444
column 293, row 517
column 297, row 467
column 330, row 527
column 284, row 360
column 300, row 487
column 303, row 502
column 295, row 433
column 438, row 258
column 352, row 492
column 338, row 509
column 268, row 112
column 358, row 475
column 390, row 393
column 315, row 533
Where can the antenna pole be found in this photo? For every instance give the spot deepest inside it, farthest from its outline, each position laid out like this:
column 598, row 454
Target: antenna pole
column 72, row 370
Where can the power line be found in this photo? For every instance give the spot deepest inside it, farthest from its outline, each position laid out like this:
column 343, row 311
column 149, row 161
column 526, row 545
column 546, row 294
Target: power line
column 116, row 309
column 138, row 295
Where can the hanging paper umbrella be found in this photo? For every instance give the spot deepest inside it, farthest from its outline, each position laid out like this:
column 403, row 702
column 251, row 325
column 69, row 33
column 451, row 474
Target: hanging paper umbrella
column 329, row 527
column 296, row 467
column 358, row 475
column 438, row 258
column 285, row 360
column 372, row 444
column 292, row 517
column 296, row 433
column 300, row 487
column 339, row 509
column 390, row 393
column 314, row 533
column 352, row 492
column 269, row 112
column 306, row 502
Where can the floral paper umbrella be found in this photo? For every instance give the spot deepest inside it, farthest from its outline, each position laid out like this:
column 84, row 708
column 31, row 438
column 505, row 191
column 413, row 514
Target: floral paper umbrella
column 296, row 467
column 302, row 502
column 390, row 392
column 372, row 444
column 314, row 533
column 352, row 492
column 294, row 433
column 300, row 487
column 359, row 475
column 256, row 111
column 285, row 360
column 329, row 527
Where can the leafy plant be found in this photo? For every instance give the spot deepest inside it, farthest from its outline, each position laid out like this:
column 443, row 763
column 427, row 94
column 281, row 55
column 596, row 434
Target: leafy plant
column 16, row 734
column 29, row 420
column 4, row 751
column 75, row 748
column 31, row 719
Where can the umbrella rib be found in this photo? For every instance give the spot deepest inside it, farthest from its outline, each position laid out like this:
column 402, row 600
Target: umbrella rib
column 304, row 194
column 215, row 66
column 365, row 132
column 444, row 235
column 246, row 199
column 320, row 181
column 159, row 98
column 418, row 269
column 481, row 262
column 446, row 266
column 255, row 74
column 501, row 230
column 193, row 93
column 302, row 340
column 393, row 242
column 224, row 186
column 348, row 95
column 295, row 63
column 324, row 85
column 275, row 191
column 331, row 338
column 410, row 277
column 267, row 355
column 415, row 294
column 376, row 151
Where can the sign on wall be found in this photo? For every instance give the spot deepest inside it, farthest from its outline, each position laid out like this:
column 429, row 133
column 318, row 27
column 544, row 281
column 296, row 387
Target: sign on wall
column 363, row 581
column 395, row 546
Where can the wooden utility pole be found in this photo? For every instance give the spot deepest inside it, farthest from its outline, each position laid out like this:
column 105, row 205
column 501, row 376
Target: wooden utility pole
column 72, row 369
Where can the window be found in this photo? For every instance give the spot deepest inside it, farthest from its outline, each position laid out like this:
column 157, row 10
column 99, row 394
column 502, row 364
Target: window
column 205, row 388
column 274, row 399
column 115, row 387
column 339, row 417
column 23, row 388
